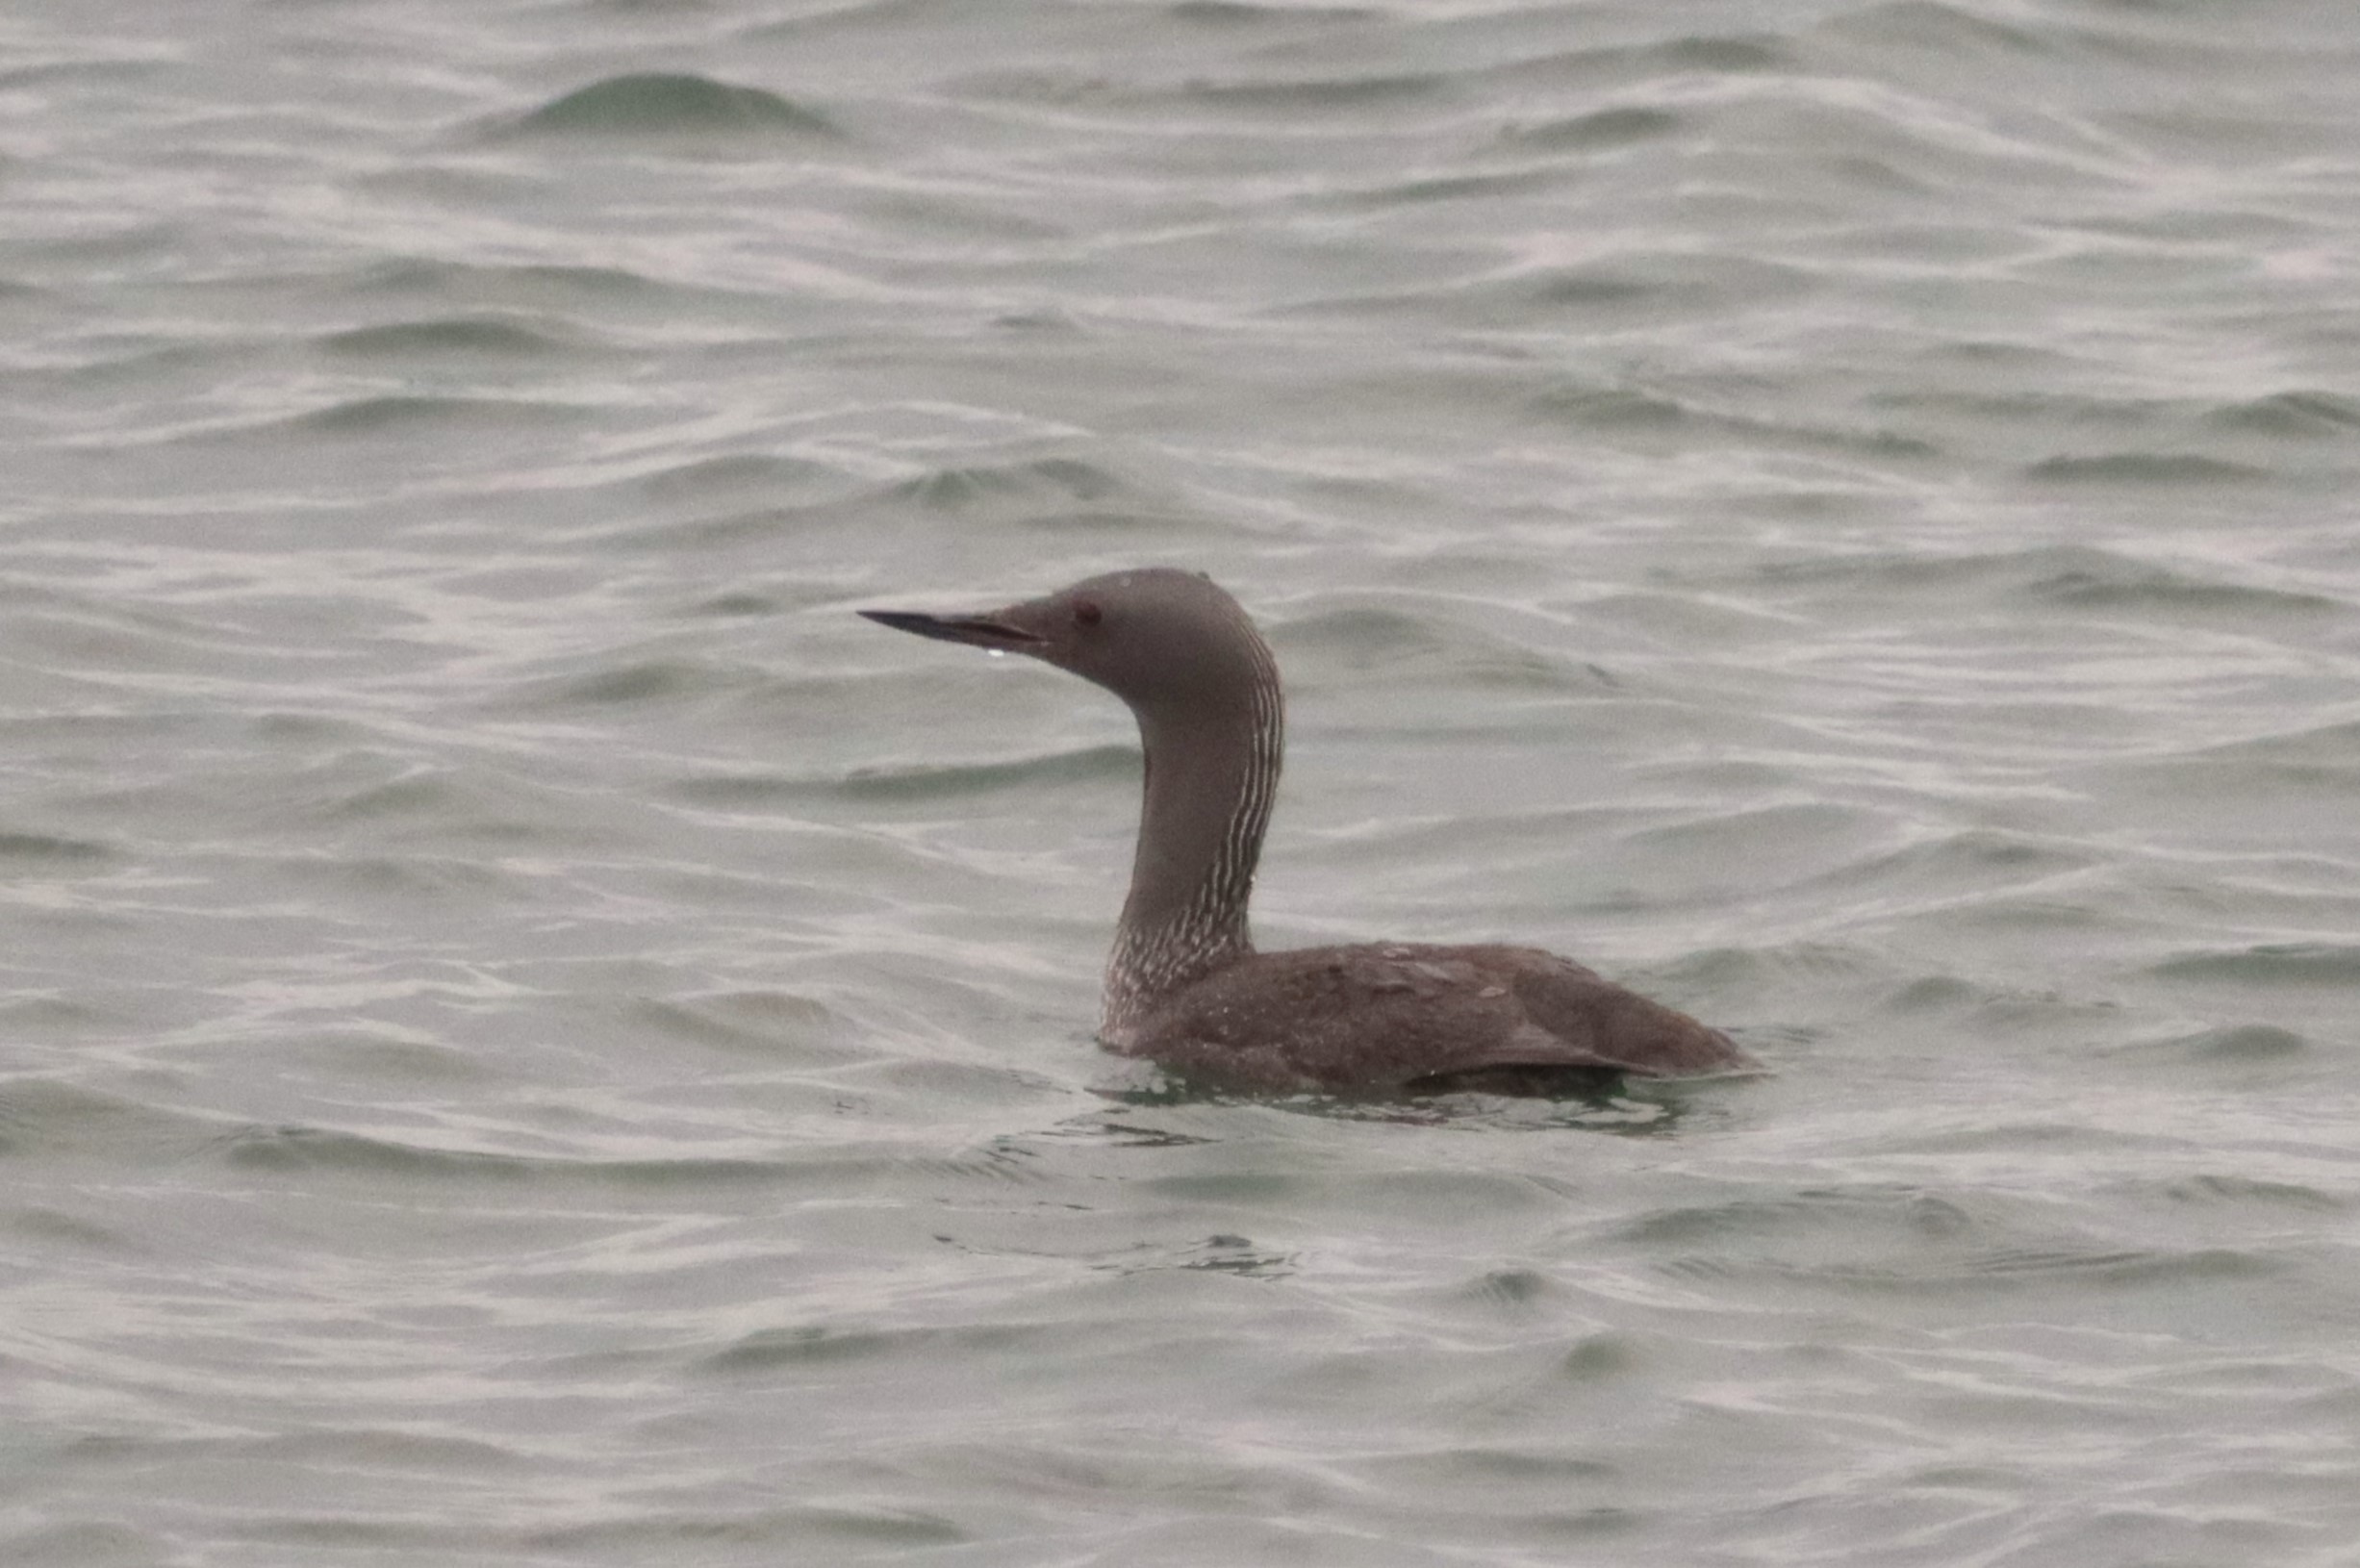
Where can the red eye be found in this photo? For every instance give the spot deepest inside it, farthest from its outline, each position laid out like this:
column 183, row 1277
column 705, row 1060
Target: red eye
column 1086, row 613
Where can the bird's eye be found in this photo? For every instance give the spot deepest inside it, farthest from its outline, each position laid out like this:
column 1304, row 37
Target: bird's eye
column 1086, row 613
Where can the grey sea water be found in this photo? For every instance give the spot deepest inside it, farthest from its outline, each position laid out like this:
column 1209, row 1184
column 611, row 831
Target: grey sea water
column 529, row 1034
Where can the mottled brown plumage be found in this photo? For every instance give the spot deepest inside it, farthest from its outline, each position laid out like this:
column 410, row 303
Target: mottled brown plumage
column 1184, row 986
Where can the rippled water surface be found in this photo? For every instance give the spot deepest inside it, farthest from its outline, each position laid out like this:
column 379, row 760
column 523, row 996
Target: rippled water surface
column 533, row 1035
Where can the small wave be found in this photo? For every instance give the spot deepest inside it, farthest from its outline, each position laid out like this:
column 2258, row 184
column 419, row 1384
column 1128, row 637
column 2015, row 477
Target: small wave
column 1241, row 13
column 2240, row 1043
column 760, row 1021
column 2215, row 1190
column 313, row 1149
column 2076, row 575
column 1603, row 128
column 2292, row 414
column 646, row 681
column 932, row 782
column 443, row 337
column 1321, row 92
column 1634, row 411
column 1441, row 187
column 2143, row 468
column 397, row 414
column 736, row 473
column 45, row 1112
column 807, row 1343
column 951, row 490
column 2271, row 964
column 307, row 1150
column 1693, row 284
column 2112, row 583
column 664, row 104
column 2328, row 752
column 49, row 850
column 1731, row 53
column 1928, row 25
column 531, row 285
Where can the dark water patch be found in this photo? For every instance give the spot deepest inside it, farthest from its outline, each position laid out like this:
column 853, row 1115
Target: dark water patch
column 672, row 1532
column 1481, row 1468
column 2213, row 1190
column 1614, row 408
column 2108, row 582
column 1980, row 857
column 1868, row 173
column 1592, row 132
column 2271, row 965
column 493, row 337
column 38, row 850
column 1615, row 67
column 1583, row 286
column 1048, row 320
column 2236, row 1043
column 537, row 283
column 1644, row 284
column 1512, row 1292
column 2294, row 416
column 2126, row 1267
column 2159, row 469
column 1247, row 1189
column 310, row 1151
column 1602, row 1357
column 673, row 105
column 740, row 604
column 1224, row 1253
column 1242, row 14
column 405, row 414
column 636, row 683
column 50, row 1117
column 820, row 1345
column 1734, row 54
column 1854, row 1216
column 38, row 1225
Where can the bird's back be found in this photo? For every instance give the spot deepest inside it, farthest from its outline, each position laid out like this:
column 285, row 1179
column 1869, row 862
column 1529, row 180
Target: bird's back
column 1396, row 1017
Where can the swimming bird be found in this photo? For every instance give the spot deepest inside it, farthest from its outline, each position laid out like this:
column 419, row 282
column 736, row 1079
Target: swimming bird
column 1185, row 986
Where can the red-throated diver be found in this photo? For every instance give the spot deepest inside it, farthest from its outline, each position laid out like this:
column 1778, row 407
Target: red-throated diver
column 1184, row 986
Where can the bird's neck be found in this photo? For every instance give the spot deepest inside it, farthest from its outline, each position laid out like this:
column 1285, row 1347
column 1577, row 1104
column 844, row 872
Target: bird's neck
column 1212, row 778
